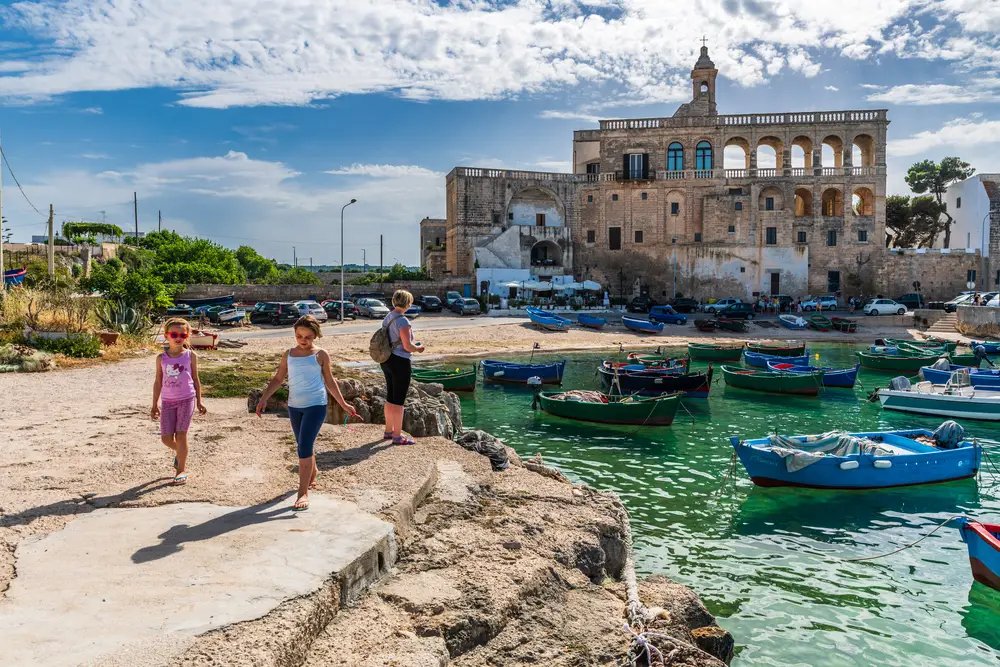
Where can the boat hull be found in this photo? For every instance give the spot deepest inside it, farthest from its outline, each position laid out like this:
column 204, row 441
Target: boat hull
column 757, row 360
column 769, row 469
column 792, row 322
column 714, row 353
column 501, row 371
column 843, row 378
column 778, row 350
column 844, row 325
column 983, row 379
column 450, row 380
column 692, row 385
column 213, row 301
column 591, row 322
column 649, row 412
column 642, row 326
column 991, row 348
column 983, row 542
column 820, row 323
column 939, row 405
column 773, row 383
column 548, row 323
column 895, row 362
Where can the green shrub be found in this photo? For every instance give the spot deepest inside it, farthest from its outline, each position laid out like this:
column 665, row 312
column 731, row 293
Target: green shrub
column 84, row 346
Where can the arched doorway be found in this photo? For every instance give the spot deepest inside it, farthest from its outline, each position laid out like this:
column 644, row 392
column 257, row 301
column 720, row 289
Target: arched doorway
column 546, row 253
column 535, row 207
column 769, row 153
column 736, row 154
column 833, row 203
column 802, row 152
column 803, row 203
column 863, row 201
column 863, row 151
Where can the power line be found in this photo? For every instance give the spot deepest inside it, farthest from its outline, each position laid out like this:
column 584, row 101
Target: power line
column 7, row 162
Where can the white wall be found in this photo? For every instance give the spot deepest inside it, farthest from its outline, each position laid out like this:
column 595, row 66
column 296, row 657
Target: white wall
column 967, row 230
column 499, row 278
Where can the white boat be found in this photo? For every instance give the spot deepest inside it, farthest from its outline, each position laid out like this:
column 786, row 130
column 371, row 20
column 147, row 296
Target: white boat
column 202, row 340
column 952, row 401
column 792, row 322
column 231, row 316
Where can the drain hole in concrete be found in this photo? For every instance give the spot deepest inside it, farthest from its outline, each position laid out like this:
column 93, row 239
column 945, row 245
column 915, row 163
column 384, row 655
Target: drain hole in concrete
column 381, row 563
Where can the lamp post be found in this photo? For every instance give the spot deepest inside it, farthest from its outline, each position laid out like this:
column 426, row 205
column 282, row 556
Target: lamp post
column 342, row 257
column 675, row 268
column 983, row 250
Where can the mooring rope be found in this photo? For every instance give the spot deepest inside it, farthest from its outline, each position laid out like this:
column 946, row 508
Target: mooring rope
column 904, row 548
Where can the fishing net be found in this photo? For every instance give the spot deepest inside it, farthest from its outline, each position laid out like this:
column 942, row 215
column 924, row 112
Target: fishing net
column 580, row 396
column 949, row 435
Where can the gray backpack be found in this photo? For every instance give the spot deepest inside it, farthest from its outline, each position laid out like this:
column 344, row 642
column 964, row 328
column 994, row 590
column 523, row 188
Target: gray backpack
column 380, row 347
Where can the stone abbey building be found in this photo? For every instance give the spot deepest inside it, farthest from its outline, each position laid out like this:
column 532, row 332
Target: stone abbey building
column 651, row 206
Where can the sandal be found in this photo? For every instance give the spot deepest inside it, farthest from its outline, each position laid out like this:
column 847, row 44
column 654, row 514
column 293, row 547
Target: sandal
column 181, row 479
column 387, row 435
column 301, row 505
column 403, row 440
column 314, row 482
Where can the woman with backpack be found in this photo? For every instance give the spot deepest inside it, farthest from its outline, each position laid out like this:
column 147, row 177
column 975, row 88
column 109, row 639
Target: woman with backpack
column 396, row 366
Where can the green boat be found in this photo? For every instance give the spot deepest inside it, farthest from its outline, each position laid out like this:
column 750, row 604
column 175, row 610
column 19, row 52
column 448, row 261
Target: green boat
column 789, row 349
column 715, row 352
column 935, row 345
column 820, row 322
column 456, row 380
column 652, row 411
column 969, row 360
column 896, row 362
column 774, row 382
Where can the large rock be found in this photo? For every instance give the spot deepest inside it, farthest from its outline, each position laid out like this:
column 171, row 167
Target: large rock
column 682, row 615
column 483, row 443
column 429, row 410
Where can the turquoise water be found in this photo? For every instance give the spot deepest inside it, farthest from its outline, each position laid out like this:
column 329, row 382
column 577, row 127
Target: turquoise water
column 769, row 562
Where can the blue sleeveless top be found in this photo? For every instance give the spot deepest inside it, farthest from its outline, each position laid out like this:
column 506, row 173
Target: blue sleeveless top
column 305, row 382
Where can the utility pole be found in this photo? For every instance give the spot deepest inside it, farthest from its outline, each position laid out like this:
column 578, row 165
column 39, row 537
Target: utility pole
column 52, row 243
column 380, row 249
column 344, row 208
column 135, row 210
column 3, row 281
column 364, row 259
column 159, row 221
column 310, row 263
column 295, row 258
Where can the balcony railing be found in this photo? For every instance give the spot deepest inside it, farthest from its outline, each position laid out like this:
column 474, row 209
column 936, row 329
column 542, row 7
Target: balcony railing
column 789, row 118
column 664, row 175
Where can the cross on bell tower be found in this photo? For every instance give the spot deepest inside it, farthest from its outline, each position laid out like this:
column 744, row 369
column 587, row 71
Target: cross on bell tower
column 703, row 82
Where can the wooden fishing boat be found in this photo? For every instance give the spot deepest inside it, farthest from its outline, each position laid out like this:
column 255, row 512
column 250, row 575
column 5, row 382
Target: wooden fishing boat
column 451, row 380
column 591, row 321
column 180, row 310
column 758, row 360
column 936, row 345
column 211, row 301
column 945, row 400
column 655, row 360
column 874, row 460
column 832, row 377
column 548, row 322
column 803, row 384
column 505, row 371
column 990, row 347
column 14, row 277
column 693, row 385
column 727, row 324
column 792, row 322
column 820, row 322
column 637, row 410
column 966, row 360
column 790, row 349
column 715, row 351
column 231, row 316
column 986, row 379
column 202, row 340
column 547, row 313
column 670, row 366
column 705, row 325
column 642, row 326
column 983, row 543
column 844, row 324
column 895, row 362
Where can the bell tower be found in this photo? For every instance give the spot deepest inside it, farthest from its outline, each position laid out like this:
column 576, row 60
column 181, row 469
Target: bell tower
column 702, row 87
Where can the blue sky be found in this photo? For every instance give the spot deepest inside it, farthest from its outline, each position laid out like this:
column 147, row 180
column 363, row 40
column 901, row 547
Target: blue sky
column 254, row 121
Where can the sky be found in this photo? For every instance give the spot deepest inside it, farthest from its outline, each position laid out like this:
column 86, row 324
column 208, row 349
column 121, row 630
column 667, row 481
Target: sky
column 254, row 121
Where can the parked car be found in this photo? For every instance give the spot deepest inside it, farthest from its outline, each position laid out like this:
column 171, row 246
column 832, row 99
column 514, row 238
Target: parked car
column 372, row 308
column 334, row 308
column 911, row 300
column 366, row 295
column 312, row 308
column 429, row 304
column 641, row 304
column 884, row 307
column 685, row 305
column 738, row 311
column 667, row 315
column 465, row 306
column 719, row 305
column 413, row 311
column 827, row 302
column 451, row 297
column 964, row 298
column 274, row 312
column 990, row 299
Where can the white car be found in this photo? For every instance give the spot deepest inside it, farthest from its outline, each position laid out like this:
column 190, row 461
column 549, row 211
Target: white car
column 884, row 307
column 720, row 305
column 820, row 303
column 312, row 308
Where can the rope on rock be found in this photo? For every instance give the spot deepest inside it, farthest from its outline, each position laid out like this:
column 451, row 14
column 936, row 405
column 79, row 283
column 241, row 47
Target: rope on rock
column 904, row 548
column 641, row 645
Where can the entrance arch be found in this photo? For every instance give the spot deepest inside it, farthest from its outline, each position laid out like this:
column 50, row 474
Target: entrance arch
column 863, row 201
column 535, row 207
column 803, row 202
column 833, row 203
column 546, row 253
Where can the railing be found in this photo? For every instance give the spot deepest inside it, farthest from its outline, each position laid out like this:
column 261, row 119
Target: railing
column 795, row 117
column 630, row 176
column 767, row 173
column 665, row 175
column 475, row 172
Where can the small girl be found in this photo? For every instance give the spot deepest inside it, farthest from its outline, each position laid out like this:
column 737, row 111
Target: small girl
column 309, row 379
column 177, row 382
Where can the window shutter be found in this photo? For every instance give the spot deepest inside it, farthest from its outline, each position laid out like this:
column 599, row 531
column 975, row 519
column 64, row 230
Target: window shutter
column 645, row 165
column 625, row 167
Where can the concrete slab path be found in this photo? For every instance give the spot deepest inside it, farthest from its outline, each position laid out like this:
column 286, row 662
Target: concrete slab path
column 137, row 586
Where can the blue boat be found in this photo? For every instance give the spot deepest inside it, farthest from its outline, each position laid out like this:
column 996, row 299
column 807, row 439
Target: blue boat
column 758, row 360
column 832, row 377
column 213, row 301
column 986, row 379
column 792, row 322
column 590, row 321
column 642, row 326
column 873, row 460
column 548, row 322
column 14, row 277
column 983, row 542
column 991, row 348
column 505, row 371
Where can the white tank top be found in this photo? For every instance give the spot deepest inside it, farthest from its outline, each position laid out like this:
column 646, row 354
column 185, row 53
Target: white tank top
column 305, row 382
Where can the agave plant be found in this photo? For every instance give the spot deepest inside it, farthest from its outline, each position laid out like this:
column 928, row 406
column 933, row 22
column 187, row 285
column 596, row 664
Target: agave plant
column 115, row 315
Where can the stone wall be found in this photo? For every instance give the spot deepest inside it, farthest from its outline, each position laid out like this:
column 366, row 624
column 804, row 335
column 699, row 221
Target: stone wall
column 436, row 262
column 433, row 232
column 942, row 274
column 255, row 293
column 971, row 318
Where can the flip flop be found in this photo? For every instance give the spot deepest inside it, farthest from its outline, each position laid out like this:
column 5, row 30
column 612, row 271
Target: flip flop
column 403, row 440
column 181, row 479
column 301, row 505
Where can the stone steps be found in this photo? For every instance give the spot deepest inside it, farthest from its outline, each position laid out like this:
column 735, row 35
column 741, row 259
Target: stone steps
column 945, row 325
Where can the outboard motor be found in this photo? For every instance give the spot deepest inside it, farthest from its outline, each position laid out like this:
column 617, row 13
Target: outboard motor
column 941, row 364
column 535, row 383
column 949, row 435
column 980, row 352
column 899, row 383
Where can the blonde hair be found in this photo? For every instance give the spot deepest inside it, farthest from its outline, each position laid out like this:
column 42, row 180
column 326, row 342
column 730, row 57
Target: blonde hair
column 309, row 322
column 402, row 299
column 177, row 322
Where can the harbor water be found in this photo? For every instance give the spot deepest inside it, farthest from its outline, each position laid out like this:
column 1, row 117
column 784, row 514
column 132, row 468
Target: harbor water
column 772, row 564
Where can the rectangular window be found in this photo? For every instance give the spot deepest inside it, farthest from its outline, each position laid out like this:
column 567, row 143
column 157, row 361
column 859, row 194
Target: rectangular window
column 958, row 203
column 539, row 220
column 997, row 281
column 594, row 168
column 636, row 166
column 971, row 275
column 590, row 199
column 831, row 237
column 732, row 229
column 614, row 238
column 638, row 237
column 643, row 196
column 772, row 236
column 739, row 206
column 614, row 197
column 863, row 235
column 735, row 191
column 437, row 240
column 769, row 204
column 591, row 236
column 510, row 216
column 833, row 281
column 697, row 237
column 802, row 237
column 675, row 208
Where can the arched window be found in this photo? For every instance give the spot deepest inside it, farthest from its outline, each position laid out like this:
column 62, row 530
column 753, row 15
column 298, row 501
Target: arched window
column 675, row 157
column 703, row 156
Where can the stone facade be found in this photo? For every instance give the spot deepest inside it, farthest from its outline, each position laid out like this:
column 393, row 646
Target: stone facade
column 942, row 273
column 645, row 189
column 433, row 232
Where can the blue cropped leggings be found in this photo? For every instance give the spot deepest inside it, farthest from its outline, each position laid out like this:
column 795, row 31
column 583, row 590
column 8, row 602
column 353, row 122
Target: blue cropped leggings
column 306, row 423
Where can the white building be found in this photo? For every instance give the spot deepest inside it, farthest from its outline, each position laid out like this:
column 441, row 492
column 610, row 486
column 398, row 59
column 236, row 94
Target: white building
column 969, row 204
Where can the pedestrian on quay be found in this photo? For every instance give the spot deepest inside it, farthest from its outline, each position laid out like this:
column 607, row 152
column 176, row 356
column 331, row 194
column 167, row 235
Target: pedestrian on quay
column 310, row 378
column 798, row 306
column 178, row 386
column 397, row 367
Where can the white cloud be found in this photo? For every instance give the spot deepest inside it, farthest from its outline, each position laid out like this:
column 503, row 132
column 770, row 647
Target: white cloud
column 872, row 86
column 831, row 88
column 297, row 52
column 568, row 115
column 939, row 93
column 95, row 156
column 97, row 111
column 386, row 171
column 957, row 133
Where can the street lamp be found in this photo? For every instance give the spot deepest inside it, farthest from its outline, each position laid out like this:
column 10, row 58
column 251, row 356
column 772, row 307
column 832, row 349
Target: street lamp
column 342, row 257
column 983, row 250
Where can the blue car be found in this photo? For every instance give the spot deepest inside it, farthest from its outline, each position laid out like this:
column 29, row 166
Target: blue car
column 667, row 315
